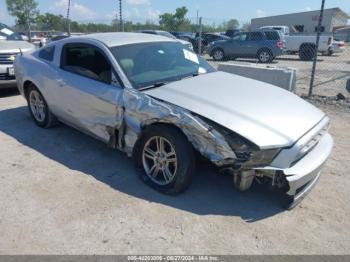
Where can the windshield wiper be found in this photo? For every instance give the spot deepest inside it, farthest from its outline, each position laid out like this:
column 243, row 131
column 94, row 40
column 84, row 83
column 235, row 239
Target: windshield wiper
column 159, row 84
column 156, row 85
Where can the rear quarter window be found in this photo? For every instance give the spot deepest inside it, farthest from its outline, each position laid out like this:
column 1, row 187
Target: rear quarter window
column 256, row 36
column 272, row 36
column 47, row 53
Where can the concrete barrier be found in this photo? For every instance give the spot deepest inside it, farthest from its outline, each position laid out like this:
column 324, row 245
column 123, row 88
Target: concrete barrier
column 279, row 76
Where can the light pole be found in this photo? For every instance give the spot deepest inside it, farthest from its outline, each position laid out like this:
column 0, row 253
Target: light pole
column 68, row 19
column 121, row 25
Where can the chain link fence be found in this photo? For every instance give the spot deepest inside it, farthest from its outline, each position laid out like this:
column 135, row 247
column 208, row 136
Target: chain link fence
column 332, row 70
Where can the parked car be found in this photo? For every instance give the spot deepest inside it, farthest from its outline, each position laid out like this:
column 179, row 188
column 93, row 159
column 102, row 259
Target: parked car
column 304, row 45
column 187, row 36
column 207, row 38
column 11, row 44
column 187, row 44
column 337, row 47
column 264, row 45
column 160, row 103
column 232, row 32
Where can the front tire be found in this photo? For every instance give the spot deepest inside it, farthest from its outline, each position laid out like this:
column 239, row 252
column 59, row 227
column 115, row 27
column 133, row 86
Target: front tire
column 166, row 158
column 39, row 109
column 218, row 54
column 265, row 56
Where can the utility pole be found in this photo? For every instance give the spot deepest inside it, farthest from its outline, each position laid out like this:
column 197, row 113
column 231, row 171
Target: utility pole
column 200, row 36
column 121, row 25
column 68, row 19
column 320, row 20
column 197, row 17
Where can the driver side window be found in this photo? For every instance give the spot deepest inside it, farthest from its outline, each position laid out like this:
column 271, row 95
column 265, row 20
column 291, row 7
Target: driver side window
column 86, row 60
column 240, row 37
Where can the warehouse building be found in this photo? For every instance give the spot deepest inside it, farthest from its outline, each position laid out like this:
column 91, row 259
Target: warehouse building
column 306, row 22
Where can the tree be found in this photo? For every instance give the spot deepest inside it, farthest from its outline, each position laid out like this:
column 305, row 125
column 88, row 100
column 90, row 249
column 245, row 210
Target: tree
column 232, row 24
column 247, row 27
column 25, row 12
column 175, row 22
column 50, row 22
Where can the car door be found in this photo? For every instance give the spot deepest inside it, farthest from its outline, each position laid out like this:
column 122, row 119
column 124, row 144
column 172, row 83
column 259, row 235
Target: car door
column 253, row 43
column 89, row 90
column 236, row 45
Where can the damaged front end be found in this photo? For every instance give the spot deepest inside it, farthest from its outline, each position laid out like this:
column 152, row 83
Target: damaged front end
column 229, row 151
column 142, row 111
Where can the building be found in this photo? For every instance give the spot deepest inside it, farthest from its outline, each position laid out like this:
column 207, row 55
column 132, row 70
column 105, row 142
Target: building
column 306, row 22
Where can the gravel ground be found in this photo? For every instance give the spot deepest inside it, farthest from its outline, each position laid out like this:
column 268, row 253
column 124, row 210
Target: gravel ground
column 63, row 192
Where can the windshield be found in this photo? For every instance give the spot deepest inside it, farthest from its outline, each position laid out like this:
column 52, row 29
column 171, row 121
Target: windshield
column 150, row 64
column 6, row 31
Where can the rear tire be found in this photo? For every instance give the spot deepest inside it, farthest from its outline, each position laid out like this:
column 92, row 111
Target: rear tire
column 307, row 52
column 39, row 109
column 167, row 159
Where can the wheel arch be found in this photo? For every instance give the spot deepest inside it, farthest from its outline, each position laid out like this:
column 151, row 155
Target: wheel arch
column 265, row 48
column 217, row 48
column 26, row 86
column 309, row 45
column 155, row 123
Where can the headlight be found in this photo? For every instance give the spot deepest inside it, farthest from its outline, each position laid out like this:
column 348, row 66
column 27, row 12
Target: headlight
column 248, row 153
column 263, row 157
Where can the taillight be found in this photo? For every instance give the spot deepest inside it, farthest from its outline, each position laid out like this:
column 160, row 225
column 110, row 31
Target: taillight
column 280, row 44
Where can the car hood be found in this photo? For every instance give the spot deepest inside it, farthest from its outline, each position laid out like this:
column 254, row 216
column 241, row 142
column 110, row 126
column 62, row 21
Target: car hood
column 265, row 114
column 184, row 42
column 15, row 46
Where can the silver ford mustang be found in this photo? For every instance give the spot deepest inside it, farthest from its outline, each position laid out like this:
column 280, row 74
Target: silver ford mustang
column 160, row 103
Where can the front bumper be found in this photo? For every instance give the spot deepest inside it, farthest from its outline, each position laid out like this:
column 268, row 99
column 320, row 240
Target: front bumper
column 6, row 80
column 5, row 84
column 303, row 176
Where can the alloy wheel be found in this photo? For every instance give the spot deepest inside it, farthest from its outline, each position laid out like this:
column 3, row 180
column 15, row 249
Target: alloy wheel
column 218, row 55
column 159, row 160
column 37, row 105
column 264, row 56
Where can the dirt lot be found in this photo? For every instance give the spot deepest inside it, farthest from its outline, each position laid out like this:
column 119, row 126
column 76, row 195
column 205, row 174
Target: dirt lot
column 65, row 193
column 62, row 192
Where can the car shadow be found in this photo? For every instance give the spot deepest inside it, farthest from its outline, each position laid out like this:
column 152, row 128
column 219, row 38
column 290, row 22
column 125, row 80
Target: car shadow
column 209, row 194
column 8, row 92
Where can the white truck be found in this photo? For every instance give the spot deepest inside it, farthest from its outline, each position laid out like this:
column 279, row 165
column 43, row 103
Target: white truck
column 304, row 45
column 11, row 44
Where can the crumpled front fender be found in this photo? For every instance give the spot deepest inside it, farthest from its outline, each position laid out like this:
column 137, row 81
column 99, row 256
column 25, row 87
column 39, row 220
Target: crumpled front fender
column 141, row 111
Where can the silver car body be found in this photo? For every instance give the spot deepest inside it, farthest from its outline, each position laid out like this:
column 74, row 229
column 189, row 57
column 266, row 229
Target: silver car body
column 266, row 115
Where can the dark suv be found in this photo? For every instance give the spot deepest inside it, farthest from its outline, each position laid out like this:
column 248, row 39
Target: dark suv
column 263, row 45
column 207, row 38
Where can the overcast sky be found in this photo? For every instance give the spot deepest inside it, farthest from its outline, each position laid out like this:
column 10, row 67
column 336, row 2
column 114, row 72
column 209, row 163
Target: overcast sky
column 213, row 11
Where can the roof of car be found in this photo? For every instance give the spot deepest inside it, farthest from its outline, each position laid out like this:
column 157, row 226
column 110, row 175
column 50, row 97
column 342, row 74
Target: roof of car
column 119, row 39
